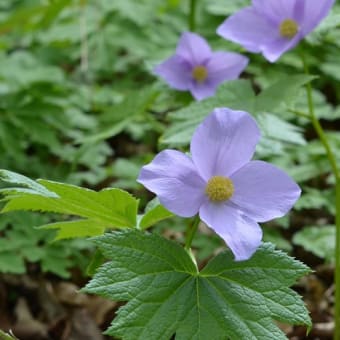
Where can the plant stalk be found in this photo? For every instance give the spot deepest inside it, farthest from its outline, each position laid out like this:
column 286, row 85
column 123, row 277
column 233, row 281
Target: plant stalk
column 332, row 160
column 337, row 261
column 192, row 16
column 191, row 231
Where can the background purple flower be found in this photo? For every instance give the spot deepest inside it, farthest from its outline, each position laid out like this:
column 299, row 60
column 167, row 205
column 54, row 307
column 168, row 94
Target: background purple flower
column 272, row 27
column 219, row 181
column 196, row 68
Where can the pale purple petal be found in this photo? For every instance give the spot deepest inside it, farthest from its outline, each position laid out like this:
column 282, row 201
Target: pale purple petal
column 221, row 66
column 263, row 192
column 242, row 235
column 314, row 12
column 298, row 12
column 173, row 178
column 257, row 28
column 224, row 142
column 176, row 72
column 250, row 29
column 224, row 66
column 193, row 48
column 203, row 90
column 274, row 50
column 276, row 10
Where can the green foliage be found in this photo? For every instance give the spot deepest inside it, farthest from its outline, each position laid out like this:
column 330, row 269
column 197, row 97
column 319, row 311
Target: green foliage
column 167, row 294
column 274, row 236
column 239, row 95
column 108, row 208
column 7, row 336
column 320, row 240
column 317, row 199
column 126, row 171
column 79, row 104
column 217, row 8
column 34, row 16
column 55, row 110
column 154, row 213
column 283, row 92
column 39, row 110
column 125, row 115
column 20, row 244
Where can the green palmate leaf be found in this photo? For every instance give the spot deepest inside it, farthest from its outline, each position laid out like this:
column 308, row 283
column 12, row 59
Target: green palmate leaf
column 316, row 199
column 108, row 208
column 282, row 91
column 97, row 260
column 320, row 240
column 79, row 228
column 154, row 215
column 239, row 95
column 120, row 116
column 274, row 236
column 167, row 295
column 277, row 129
column 20, row 243
column 30, row 185
column 10, row 263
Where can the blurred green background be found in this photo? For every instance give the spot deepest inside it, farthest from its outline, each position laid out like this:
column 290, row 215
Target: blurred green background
column 79, row 104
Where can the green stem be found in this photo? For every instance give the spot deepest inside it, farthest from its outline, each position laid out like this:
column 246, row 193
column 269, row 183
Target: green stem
column 332, row 159
column 191, row 232
column 316, row 124
column 192, row 16
column 337, row 261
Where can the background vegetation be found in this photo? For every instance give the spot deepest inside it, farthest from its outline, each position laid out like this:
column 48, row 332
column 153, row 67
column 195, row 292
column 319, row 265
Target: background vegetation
column 79, row 104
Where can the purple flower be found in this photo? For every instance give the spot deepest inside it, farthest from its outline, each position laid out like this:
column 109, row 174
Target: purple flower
column 196, row 68
column 219, row 181
column 272, row 27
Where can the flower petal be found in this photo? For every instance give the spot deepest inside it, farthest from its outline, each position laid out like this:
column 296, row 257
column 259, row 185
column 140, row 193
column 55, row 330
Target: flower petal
column 314, row 12
column 202, row 91
column 276, row 10
column 242, row 235
column 263, row 192
column 249, row 28
column 225, row 66
column 273, row 51
column 173, row 178
column 176, row 71
column 224, row 142
column 298, row 11
column 193, row 48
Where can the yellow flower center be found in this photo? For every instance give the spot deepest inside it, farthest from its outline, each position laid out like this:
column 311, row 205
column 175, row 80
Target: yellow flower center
column 288, row 28
column 219, row 188
column 200, row 73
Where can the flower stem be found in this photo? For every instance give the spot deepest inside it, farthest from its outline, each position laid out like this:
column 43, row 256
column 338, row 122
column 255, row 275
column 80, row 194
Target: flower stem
column 191, row 231
column 316, row 124
column 192, row 16
column 332, row 160
column 337, row 262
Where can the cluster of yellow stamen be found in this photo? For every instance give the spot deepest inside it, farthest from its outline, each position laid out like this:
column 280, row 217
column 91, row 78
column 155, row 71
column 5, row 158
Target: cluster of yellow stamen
column 288, row 28
column 219, row 188
column 200, row 73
